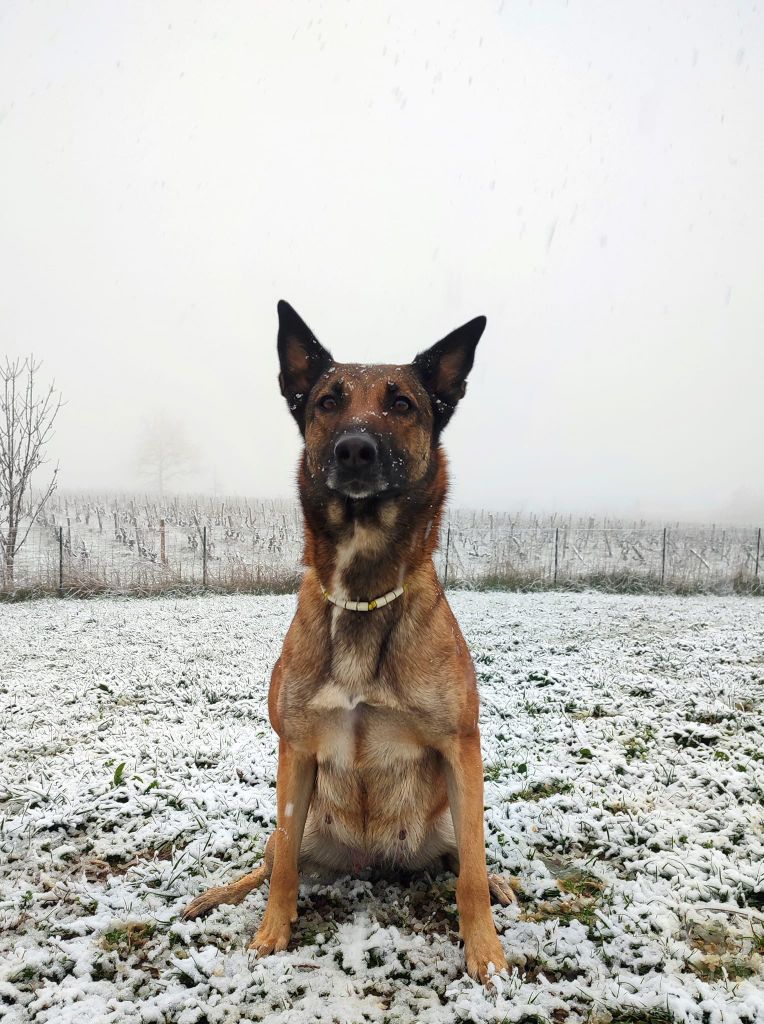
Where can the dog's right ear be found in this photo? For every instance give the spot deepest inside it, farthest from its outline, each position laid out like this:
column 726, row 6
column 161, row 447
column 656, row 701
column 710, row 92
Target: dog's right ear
column 303, row 360
column 443, row 369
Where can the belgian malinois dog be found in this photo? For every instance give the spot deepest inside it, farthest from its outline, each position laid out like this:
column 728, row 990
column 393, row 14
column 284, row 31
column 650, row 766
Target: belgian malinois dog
column 374, row 697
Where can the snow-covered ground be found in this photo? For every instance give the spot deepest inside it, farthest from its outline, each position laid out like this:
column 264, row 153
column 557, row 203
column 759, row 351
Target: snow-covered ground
column 624, row 750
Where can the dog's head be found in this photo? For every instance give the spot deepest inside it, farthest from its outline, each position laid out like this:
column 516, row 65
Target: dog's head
column 371, row 430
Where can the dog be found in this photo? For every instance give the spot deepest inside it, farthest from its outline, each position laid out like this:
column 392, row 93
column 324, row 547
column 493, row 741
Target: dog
column 374, row 697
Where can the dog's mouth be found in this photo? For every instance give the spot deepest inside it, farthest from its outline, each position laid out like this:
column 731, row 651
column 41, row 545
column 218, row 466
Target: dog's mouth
column 356, row 486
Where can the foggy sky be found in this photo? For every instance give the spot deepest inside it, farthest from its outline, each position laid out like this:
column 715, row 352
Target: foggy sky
column 587, row 175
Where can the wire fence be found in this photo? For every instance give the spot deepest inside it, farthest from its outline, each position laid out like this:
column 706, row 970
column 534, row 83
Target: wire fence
column 630, row 558
column 123, row 546
column 86, row 545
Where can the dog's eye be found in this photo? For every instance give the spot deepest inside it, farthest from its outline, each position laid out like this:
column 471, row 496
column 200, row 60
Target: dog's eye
column 328, row 403
column 402, row 404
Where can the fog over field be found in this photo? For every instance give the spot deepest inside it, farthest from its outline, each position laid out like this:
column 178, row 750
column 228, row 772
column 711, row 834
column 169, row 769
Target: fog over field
column 588, row 175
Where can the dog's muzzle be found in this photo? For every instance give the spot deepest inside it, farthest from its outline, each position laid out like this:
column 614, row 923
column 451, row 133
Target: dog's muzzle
column 356, row 466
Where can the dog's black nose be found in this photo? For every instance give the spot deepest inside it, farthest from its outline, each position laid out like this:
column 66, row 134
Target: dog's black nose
column 356, row 451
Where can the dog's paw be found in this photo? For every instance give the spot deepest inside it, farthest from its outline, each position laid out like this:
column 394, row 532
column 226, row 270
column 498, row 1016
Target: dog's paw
column 484, row 957
column 208, row 901
column 501, row 890
column 272, row 935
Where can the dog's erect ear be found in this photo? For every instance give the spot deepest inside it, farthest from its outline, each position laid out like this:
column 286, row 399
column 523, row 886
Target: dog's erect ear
column 302, row 360
column 443, row 369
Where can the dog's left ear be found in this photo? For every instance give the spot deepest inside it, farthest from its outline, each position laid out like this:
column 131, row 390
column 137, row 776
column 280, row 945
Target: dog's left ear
column 303, row 360
column 443, row 369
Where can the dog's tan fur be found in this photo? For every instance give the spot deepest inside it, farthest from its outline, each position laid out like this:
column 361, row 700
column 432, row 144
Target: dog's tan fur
column 376, row 713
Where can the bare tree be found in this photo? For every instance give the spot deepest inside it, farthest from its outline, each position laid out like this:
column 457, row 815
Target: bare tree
column 27, row 416
column 165, row 453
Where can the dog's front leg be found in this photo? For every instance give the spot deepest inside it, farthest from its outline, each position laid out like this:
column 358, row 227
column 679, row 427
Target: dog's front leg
column 294, row 789
column 464, row 779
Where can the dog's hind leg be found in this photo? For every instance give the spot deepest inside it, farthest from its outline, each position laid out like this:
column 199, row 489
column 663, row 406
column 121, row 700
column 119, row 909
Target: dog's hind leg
column 234, row 892
column 501, row 888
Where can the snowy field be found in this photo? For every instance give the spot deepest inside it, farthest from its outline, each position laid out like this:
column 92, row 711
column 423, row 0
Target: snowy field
column 624, row 750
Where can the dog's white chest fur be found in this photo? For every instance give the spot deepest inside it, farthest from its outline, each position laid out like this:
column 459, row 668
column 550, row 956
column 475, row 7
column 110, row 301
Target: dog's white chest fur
column 334, row 698
column 355, row 727
column 376, row 782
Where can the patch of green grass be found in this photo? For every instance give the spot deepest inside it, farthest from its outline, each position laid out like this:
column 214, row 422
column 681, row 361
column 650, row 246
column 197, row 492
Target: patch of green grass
column 576, row 897
column 128, row 938
column 708, row 717
column 694, row 740
column 542, row 678
column 657, row 1016
column 716, row 968
column 306, row 932
column 541, row 790
column 534, row 709
column 636, row 746
column 582, row 884
column 27, row 973
column 574, row 908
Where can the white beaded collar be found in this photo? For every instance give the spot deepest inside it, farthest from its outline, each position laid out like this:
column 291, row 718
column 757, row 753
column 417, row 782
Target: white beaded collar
column 364, row 606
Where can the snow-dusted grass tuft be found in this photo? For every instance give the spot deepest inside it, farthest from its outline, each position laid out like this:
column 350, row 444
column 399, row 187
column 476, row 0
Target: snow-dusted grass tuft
column 624, row 749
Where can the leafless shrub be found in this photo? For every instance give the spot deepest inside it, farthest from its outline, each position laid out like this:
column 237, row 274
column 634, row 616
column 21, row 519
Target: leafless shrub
column 27, row 417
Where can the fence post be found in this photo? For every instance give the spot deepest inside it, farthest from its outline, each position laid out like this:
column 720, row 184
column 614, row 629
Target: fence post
column 556, row 548
column 758, row 549
column 204, row 557
column 663, row 557
column 162, row 551
column 61, row 561
column 448, row 545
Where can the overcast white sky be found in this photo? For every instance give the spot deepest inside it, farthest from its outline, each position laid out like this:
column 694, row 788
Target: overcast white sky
column 588, row 175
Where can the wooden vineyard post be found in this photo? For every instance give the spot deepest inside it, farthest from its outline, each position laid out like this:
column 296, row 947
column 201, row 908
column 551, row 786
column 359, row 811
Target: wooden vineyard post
column 162, row 550
column 556, row 550
column 758, row 551
column 204, row 557
column 663, row 557
column 61, row 561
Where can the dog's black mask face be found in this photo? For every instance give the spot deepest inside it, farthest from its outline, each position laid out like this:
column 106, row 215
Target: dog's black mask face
column 371, row 430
